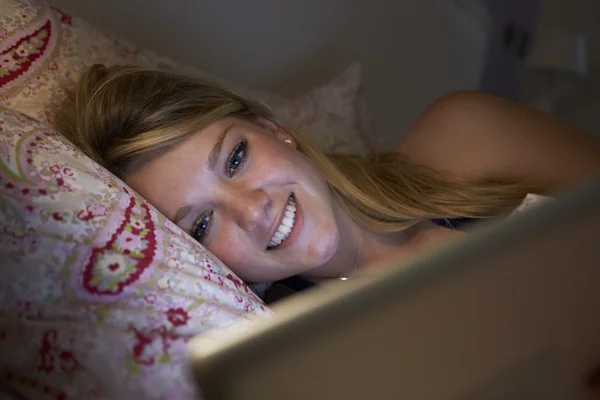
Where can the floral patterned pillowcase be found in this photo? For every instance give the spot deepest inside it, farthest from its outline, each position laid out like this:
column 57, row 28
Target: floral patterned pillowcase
column 99, row 292
column 42, row 48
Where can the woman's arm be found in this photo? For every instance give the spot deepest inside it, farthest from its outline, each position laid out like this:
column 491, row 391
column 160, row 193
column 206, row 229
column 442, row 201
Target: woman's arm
column 482, row 137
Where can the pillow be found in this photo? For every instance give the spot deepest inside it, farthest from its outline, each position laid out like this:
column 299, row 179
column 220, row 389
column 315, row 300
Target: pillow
column 99, row 292
column 42, row 48
column 332, row 117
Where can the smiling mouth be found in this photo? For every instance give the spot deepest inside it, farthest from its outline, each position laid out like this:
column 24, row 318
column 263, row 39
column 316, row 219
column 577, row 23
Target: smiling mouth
column 286, row 226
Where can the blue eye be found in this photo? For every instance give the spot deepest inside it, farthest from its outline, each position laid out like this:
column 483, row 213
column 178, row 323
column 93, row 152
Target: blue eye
column 201, row 226
column 237, row 158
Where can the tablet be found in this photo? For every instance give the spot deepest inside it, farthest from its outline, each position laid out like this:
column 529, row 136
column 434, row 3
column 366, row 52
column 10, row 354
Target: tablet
column 510, row 312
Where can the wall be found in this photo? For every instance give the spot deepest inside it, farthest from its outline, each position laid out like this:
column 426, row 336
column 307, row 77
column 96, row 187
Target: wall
column 412, row 51
column 504, row 60
column 581, row 16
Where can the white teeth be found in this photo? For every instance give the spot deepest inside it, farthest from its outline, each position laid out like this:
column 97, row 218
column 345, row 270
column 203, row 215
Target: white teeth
column 287, row 221
column 287, row 224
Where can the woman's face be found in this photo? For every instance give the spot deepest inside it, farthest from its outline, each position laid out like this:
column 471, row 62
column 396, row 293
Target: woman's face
column 255, row 201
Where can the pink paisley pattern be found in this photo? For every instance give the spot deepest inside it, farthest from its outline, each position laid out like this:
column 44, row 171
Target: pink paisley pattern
column 135, row 244
column 100, row 292
column 21, row 56
column 43, row 48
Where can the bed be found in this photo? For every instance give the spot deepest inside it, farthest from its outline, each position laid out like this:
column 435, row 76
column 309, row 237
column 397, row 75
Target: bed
column 100, row 293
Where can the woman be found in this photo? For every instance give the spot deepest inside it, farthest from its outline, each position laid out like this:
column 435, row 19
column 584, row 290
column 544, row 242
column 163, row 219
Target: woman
column 270, row 206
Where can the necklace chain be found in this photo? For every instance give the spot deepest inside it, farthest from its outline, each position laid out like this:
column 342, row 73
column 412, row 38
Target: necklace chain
column 344, row 277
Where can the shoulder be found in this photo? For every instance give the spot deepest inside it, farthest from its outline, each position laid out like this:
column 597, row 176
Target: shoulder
column 451, row 132
column 443, row 134
column 483, row 137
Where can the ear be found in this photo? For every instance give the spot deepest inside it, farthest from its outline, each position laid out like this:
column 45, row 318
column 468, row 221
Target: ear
column 276, row 130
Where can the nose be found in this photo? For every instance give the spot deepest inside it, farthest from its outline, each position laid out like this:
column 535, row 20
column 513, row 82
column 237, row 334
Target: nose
column 250, row 209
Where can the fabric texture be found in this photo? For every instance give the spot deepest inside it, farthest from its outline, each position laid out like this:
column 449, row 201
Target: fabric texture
column 99, row 292
column 530, row 202
column 42, row 49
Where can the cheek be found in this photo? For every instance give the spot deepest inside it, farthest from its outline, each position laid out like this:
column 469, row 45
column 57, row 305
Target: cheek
column 324, row 242
column 232, row 249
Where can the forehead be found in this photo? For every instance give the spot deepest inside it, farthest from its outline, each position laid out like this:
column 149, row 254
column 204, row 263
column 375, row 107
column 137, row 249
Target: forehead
column 176, row 176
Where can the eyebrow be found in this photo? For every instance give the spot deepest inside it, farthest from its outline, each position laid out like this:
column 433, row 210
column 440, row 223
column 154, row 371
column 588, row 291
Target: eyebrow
column 183, row 211
column 216, row 150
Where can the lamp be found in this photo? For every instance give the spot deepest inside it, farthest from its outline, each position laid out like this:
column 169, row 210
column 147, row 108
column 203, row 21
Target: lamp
column 553, row 68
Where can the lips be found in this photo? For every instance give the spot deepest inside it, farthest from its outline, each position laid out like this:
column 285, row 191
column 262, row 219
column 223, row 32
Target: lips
column 286, row 225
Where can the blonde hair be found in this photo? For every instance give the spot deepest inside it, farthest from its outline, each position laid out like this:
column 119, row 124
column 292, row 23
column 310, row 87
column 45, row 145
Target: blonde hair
column 123, row 116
